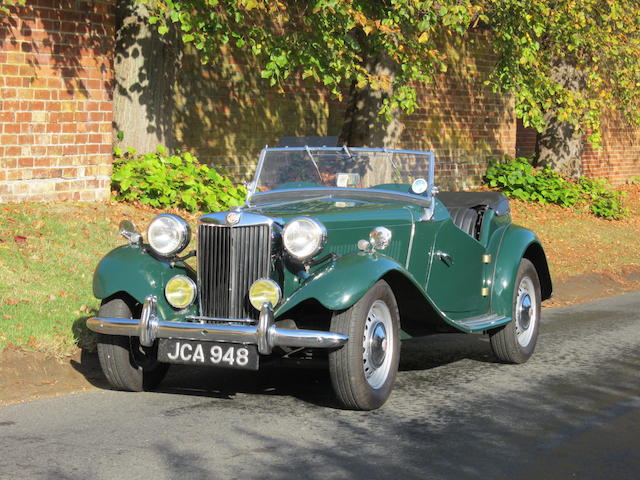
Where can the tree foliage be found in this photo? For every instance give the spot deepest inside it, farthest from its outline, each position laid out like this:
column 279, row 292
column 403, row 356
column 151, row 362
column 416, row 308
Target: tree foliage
column 599, row 40
column 5, row 4
column 331, row 41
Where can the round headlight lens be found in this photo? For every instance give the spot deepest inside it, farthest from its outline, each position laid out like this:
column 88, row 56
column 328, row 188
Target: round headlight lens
column 168, row 234
column 180, row 291
column 304, row 237
column 264, row 290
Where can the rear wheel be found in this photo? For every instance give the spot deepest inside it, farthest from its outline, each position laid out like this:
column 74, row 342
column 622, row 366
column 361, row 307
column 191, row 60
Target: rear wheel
column 516, row 341
column 363, row 372
column 126, row 364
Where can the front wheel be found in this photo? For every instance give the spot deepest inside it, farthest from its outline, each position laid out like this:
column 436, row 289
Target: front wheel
column 127, row 364
column 516, row 341
column 364, row 370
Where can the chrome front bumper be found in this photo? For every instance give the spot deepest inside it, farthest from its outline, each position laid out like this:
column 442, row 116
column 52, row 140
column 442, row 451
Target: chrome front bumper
column 264, row 334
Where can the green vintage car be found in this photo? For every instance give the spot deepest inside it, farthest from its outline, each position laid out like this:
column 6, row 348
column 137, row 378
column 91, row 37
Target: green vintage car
column 336, row 256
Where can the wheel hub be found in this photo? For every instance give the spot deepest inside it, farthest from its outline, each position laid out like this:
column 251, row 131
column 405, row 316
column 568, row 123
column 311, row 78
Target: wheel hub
column 525, row 311
column 378, row 345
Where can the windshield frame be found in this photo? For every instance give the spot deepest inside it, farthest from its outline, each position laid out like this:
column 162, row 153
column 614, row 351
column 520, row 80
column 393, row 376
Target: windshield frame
column 422, row 199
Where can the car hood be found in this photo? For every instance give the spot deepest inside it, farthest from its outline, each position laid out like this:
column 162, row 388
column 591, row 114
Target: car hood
column 338, row 213
column 347, row 221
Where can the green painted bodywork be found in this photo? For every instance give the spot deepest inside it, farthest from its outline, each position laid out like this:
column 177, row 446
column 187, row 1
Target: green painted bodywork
column 334, row 287
column 515, row 244
column 129, row 269
column 454, row 290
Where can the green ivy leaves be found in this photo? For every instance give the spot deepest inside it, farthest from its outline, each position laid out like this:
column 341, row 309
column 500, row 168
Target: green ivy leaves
column 162, row 180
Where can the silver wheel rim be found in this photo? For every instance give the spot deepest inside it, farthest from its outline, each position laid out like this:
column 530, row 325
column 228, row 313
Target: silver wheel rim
column 526, row 312
column 377, row 344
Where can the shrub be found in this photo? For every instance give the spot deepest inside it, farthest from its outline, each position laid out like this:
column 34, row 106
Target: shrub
column 162, row 180
column 519, row 179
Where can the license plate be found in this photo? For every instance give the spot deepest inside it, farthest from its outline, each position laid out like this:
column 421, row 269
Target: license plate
column 189, row 352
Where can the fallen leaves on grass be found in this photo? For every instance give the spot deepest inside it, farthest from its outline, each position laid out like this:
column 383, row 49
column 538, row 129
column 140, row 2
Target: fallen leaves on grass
column 14, row 301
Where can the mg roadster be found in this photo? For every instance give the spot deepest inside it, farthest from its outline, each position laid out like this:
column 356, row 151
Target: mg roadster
column 337, row 255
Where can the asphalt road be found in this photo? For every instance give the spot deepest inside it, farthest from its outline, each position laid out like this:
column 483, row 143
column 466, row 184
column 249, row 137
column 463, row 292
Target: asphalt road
column 573, row 411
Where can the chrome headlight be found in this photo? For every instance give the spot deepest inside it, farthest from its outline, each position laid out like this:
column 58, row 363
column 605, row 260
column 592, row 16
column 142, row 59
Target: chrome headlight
column 180, row 291
column 304, row 237
column 168, row 234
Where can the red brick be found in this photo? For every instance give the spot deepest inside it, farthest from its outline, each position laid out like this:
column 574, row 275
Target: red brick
column 25, row 162
column 12, row 128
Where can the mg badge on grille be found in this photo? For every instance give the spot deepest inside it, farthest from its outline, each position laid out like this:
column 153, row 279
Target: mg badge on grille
column 233, row 218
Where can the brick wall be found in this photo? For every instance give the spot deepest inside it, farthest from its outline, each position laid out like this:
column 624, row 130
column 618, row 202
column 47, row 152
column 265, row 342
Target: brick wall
column 225, row 113
column 525, row 140
column 56, row 85
column 460, row 119
column 619, row 158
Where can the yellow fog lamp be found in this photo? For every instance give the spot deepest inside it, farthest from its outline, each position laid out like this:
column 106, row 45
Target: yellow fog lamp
column 262, row 291
column 180, row 291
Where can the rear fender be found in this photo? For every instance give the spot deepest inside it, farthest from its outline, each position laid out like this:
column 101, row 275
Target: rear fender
column 130, row 269
column 517, row 243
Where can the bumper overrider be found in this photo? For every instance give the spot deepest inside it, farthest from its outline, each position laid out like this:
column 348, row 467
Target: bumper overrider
column 264, row 334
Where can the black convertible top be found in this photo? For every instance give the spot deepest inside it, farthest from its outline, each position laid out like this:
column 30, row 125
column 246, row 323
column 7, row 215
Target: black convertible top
column 496, row 201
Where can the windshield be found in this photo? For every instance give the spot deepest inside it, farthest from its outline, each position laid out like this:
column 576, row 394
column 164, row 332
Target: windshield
column 307, row 167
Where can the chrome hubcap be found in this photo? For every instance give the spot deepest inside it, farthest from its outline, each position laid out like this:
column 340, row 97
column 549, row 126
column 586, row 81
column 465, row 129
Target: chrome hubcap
column 377, row 344
column 526, row 312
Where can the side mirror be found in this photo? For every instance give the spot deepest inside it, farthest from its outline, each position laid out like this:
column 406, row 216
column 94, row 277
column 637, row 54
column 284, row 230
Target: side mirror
column 129, row 231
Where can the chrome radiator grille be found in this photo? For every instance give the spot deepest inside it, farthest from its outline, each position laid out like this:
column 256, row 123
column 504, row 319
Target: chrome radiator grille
column 230, row 259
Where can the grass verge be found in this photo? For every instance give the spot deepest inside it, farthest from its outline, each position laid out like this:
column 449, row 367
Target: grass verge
column 47, row 256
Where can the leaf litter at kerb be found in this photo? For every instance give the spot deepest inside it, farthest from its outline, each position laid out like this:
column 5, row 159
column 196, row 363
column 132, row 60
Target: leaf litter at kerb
column 578, row 242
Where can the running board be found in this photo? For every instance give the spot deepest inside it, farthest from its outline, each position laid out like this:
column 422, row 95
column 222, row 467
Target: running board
column 483, row 322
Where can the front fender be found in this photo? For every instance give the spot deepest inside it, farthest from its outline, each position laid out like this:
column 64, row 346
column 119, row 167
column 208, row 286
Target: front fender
column 517, row 243
column 129, row 269
column 344, row 282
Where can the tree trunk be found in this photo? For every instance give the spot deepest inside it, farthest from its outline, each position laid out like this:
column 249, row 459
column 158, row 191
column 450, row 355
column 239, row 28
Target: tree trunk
column 363, row 126
column 145, row 70
column 560, row 145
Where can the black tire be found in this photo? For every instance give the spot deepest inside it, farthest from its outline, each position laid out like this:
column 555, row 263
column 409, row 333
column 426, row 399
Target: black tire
column 358, row 383
column 126, row 364
column 516, row 341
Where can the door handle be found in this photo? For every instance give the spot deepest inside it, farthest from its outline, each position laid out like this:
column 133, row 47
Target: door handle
column 445, row 257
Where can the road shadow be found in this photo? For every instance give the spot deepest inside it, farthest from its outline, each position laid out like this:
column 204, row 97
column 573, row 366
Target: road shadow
column 311, row 385
column 89, row 366
column 425, row 353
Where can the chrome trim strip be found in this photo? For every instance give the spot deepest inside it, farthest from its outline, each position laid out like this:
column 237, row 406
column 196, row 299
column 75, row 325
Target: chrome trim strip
column 266, row 335
column 247, row 219
column 251, row 192
column 233, row 274
column 201, row 319
column 413, row 233
column 351, row 149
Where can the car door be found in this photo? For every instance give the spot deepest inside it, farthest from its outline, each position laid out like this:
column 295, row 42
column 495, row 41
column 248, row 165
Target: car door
column 456, row 277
